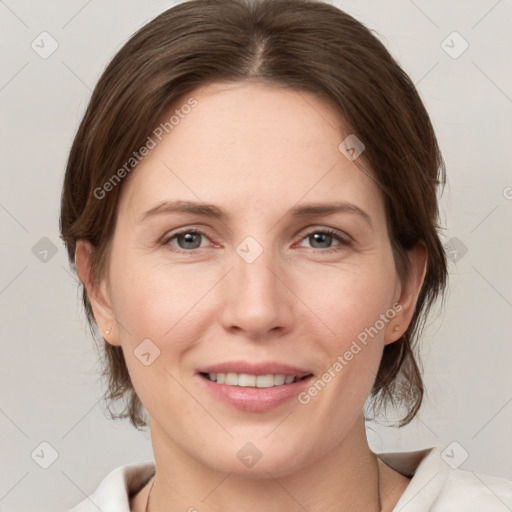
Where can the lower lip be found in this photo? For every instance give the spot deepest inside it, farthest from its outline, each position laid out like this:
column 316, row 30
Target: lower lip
column 252, row 399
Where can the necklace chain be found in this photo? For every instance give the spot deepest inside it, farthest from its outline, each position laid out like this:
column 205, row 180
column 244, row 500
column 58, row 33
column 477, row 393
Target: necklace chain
column 378, row 489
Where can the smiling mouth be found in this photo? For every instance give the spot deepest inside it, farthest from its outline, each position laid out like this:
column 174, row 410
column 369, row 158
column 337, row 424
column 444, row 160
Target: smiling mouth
column 247, row 380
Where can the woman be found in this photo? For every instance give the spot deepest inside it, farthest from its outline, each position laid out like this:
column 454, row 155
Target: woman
column 250, row 204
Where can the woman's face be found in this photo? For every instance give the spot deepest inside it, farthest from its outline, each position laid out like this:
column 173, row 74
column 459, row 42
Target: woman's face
column 252, row 282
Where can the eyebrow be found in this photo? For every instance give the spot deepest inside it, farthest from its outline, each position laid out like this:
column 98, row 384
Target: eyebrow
column 212, row 211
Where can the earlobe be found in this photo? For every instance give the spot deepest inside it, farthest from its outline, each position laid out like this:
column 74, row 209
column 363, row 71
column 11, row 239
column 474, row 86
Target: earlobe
column 409, row 293
column 97, row 293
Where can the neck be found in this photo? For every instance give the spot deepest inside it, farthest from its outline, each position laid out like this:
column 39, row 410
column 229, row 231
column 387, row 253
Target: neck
column 345, row 478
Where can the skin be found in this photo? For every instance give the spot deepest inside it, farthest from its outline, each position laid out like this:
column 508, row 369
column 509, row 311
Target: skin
column 256, row 152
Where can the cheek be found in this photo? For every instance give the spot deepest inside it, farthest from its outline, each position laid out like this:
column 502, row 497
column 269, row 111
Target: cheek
column 155, row 307
column 350, row 299
column 153, row 300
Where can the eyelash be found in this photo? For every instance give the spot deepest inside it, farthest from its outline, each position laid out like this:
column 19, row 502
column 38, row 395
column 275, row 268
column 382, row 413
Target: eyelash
column 344, row 242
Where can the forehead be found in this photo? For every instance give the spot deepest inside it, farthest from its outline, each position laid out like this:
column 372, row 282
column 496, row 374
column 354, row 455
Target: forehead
column 254, row 147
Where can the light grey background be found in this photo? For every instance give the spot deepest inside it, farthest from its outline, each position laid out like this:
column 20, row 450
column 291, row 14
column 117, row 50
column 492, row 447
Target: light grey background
column 50, row 390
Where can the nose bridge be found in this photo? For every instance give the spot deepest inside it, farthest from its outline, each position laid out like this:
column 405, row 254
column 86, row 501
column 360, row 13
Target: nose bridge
column 253, row 263
column 256, row 299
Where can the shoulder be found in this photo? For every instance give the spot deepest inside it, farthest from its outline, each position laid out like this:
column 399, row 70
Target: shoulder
column 436, row 485
column 114, row 491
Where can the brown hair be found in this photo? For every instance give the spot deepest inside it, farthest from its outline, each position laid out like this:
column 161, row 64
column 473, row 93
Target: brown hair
column 305, row 45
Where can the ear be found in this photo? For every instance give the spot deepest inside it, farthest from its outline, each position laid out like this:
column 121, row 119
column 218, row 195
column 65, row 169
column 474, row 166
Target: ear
column 97, row 293
column 407, row 294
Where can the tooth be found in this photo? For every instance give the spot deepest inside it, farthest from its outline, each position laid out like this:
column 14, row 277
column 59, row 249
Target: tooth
column 231, row 379
column 246, row 380
column 279, row 379
column 264, row 381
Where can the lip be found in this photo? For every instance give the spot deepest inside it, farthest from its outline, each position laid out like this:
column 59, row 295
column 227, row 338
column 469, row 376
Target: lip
column 253, row 399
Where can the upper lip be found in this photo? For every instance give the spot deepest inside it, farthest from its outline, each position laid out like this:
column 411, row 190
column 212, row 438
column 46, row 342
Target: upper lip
column 263, row 368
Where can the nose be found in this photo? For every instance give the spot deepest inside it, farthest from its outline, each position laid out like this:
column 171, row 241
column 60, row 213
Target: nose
column 256, row 298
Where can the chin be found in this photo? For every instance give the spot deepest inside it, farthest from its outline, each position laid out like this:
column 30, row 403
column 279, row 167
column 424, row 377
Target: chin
column 257, row 459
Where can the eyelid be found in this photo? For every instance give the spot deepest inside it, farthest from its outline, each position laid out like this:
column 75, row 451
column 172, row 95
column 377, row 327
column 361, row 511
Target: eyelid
column 342, row 235
column 165, row 240
column 344, row 239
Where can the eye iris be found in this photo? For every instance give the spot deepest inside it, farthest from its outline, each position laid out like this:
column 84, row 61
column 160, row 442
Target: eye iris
column 189, row 240
column 320, row 238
